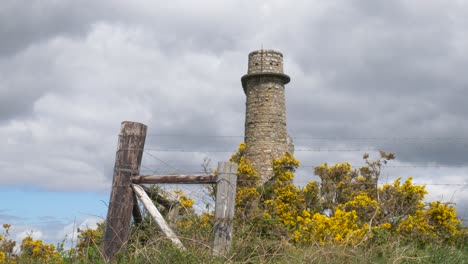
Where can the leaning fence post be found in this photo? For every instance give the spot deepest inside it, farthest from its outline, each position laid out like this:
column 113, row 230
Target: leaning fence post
column 127, row 164
column 224, row 207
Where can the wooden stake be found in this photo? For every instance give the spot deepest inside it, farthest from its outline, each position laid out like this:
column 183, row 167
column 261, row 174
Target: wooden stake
column 224, row 207
column 141, row 194
column 127, row 165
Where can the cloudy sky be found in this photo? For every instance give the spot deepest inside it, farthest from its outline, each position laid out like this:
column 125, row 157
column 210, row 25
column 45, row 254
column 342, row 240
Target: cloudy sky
column 365, row 75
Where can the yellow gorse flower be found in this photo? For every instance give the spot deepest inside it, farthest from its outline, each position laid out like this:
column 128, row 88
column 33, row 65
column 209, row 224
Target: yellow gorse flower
column 309, row 214
column 39, row 251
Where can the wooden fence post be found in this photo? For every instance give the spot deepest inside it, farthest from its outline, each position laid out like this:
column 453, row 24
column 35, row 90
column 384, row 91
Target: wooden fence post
column 127, row 164
column 224, row 207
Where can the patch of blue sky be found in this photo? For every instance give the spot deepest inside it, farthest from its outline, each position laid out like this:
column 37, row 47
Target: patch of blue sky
column 27, row 205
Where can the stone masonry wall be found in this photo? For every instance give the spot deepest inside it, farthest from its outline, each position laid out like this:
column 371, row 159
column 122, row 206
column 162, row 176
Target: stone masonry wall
column 265, row 61
column 265, row 122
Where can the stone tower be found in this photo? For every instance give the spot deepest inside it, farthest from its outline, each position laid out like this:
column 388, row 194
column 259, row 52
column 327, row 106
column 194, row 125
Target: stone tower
column 266, row 134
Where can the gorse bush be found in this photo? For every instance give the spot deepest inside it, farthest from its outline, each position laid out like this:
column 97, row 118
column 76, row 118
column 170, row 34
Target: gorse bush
column 32, row 251
column 6, row 244
column 38, row 252
column 347, row 207
column 344, row 217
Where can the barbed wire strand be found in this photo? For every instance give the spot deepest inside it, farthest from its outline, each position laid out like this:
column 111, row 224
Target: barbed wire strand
column 353, row 166
column 316, row 138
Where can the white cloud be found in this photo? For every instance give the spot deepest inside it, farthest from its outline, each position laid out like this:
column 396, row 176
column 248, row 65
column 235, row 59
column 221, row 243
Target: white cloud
column 70, row 231
column 34, row 234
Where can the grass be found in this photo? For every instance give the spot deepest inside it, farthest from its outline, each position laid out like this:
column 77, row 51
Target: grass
column 253, row 249
column 273, row 252
column 149, row 245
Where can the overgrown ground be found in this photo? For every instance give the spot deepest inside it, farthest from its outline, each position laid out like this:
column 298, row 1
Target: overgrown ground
column 344, row 218
column 384, row 248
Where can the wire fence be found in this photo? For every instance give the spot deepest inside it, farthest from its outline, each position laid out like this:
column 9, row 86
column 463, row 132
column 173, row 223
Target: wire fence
column 176, row 154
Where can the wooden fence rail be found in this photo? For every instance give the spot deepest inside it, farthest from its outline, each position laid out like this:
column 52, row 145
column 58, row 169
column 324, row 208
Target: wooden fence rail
column 181, row 179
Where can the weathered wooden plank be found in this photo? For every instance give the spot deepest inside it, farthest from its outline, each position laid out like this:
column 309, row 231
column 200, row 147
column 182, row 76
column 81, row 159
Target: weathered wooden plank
column 224, row 207
column 169, row 201
column 141, row 194
column 127, row 165
column 181, row 179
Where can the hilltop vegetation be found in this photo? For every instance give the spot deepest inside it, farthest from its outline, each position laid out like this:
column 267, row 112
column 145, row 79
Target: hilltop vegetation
column 346, row 217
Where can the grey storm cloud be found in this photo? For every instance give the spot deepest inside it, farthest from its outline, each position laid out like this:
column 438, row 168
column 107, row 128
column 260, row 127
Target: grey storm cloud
column 25, row 23
column 384, row 70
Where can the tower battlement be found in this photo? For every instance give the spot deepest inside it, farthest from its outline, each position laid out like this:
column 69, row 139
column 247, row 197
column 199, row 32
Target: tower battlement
column 265, row 61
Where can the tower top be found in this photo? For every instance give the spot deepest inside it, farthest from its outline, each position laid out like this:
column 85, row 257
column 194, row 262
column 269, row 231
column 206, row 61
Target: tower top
column 265, row 63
